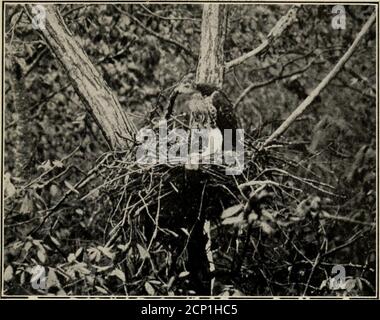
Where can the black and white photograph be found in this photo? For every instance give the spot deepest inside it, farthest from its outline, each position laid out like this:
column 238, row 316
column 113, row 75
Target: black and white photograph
column 224, row 150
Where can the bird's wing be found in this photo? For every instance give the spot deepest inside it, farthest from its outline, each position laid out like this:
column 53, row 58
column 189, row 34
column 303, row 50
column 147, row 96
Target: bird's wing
column 226, row 118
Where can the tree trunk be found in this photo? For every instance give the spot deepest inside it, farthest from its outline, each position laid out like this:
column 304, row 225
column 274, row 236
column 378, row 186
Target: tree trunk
column 210, row 71
column 210, row 68
column 96, row 95
column 23, row 147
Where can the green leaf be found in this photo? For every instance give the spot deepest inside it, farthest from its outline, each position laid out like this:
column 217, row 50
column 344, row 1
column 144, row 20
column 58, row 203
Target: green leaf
column 183, row 274
column 55, row 241
column 52, row 280
column 123, row 247
column 8, row 273
column 149, row 288
column 78, row 252
column 81, row 267
column 9, row 188
column 71, row 257
column 79, row 211
column 143, row 252
column 107, row 252
column 102, row 269
column 28, row 245
column 266, row 228
column 252, row 217
column 54, row 190
column 119, row 274
column 231, row 211
column 234, row 220
column 101, row 290
column 22, row 278
column 94, row 254
column 26, row 205
column 41, row 254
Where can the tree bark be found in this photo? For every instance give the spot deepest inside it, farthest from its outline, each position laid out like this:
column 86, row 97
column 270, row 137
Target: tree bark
column 95, row 94
column 210, row 68
column 23, row 147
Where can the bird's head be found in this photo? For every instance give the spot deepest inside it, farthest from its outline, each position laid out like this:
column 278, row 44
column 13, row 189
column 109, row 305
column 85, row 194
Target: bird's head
column 187, row 85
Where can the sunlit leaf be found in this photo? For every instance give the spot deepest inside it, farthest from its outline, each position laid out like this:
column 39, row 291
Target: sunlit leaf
column 231, row 211
column 143, row 252
column 107, row 252
column 9, row 188
column 41, row 254
column 149, row 289
column 78, row 252
column 55, row 241
column 102, row 269
column 234, row 220
column 54, row 190
column 266, row 228
column 94, row 254
column 118, row 273
column 71, row 257
column 101, row 290
column 8, row 273
column 52, row 279
column 26, row 205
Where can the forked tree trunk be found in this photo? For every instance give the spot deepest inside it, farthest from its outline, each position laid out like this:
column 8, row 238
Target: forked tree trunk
column 88, row 83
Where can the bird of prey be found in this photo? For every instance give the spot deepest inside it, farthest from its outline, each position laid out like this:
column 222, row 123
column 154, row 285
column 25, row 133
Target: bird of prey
column 209, row 108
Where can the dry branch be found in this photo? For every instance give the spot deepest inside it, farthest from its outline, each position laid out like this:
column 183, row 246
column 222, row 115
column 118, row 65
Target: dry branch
column 275, row 33
column 257, row 85
column 155, row 34
column 302, row 107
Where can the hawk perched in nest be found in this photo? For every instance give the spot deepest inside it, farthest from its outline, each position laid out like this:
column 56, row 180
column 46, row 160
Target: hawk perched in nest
column 209, row 109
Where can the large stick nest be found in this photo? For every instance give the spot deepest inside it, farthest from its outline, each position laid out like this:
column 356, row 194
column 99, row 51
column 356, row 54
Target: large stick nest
column 155, row 207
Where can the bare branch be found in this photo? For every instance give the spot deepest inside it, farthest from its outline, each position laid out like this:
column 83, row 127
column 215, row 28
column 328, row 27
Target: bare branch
column 157, row 35
column 275, row 33
column 302, row 107
column 261, row 84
